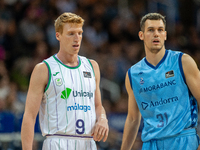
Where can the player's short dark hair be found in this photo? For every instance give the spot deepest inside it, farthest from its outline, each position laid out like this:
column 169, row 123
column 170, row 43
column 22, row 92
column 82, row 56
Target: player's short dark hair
column 151, row 16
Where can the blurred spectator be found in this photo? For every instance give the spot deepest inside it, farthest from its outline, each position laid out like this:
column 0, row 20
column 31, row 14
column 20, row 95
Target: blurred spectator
column 133, row 52
column 30, row 28
column 95, row 34
column 39, row 53
column 21, row 71
column 4, row 81
column 115, row 30
column 12, row 103
column 66, row 6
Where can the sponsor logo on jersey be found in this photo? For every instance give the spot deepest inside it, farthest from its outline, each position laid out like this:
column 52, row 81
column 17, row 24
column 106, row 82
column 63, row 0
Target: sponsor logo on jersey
column 65, row 94
column 85, row 108
column 87, row 74
column 159, row 103
column 82, row 94
column 157, row 86
column 144, row 105
column 55, row 73
column 140, row 73
column 58, row 81
column 169, row 74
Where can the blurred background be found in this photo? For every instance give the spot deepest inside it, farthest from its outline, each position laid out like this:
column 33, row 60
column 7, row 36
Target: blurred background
column 110, row 37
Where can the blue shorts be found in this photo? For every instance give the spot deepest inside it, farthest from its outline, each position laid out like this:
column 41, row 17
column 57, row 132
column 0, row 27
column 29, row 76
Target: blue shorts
column 180, row 142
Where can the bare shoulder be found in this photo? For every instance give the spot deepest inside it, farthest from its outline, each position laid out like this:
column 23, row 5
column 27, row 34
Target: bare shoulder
column 189, row 65
column 187, row 61
column 95, row 66
column 127, row 84
column 96, row 70
column 40, row 73
column 41, row 67
column 186, row 58
column 94, row 63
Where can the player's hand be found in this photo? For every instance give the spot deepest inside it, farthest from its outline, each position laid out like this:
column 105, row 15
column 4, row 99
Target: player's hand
column 100, row 130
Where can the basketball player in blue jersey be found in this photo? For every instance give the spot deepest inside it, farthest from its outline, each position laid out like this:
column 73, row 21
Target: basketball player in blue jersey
column 163, row 89
column 64, row 89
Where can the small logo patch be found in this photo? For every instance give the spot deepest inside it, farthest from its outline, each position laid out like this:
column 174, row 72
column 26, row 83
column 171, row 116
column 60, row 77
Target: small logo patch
column 87, row 74
column 169, row 74
column 141, row 81
column 58, row 81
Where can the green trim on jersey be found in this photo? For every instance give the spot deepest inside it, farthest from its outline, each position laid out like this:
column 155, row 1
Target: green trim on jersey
column 79, row 60
column 58, row 62
column 49, row 76
column 82, row 96
column 91, row 66
column 48, row 112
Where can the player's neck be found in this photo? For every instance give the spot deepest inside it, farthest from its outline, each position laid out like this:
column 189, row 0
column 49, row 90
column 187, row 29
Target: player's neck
column 68, row 59
column 155, row 58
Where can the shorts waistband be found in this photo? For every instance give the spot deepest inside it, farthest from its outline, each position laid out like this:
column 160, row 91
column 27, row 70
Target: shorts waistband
column 68, row 136
column 154, row 142
column 185, row 132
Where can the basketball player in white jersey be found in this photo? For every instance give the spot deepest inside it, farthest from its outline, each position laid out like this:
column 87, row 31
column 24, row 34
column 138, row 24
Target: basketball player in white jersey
column 64, row 89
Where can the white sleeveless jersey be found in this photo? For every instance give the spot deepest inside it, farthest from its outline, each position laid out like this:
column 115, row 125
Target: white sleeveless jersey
column 68, row 105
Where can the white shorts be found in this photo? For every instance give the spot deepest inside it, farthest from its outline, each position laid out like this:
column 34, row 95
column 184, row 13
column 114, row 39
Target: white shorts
column 69, row 143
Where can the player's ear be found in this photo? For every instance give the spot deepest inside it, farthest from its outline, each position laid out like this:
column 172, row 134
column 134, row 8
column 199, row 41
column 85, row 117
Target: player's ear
column 141, row 35
column 165, row 35
column 58, row 36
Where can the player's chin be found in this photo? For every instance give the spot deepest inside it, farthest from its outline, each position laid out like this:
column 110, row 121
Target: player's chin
column 76, row 51
column 155, row 49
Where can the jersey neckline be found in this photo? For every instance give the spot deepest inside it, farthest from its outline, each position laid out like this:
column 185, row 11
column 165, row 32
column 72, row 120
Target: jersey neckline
column 75, row 67
column 161, row 61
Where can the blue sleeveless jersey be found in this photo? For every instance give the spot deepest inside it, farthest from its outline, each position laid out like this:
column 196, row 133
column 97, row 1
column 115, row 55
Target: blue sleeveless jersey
column 163, row 98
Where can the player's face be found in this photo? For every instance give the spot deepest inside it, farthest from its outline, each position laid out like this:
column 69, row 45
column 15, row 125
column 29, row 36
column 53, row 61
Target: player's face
column 70, row 39
column 154, row 35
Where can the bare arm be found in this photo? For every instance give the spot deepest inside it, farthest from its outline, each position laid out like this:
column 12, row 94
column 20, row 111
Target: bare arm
column 38, row 81
column 133, row 119
column 192, row 76
column 101, row 127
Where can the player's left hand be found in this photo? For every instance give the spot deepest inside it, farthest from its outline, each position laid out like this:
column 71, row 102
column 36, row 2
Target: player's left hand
column 100, row 130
